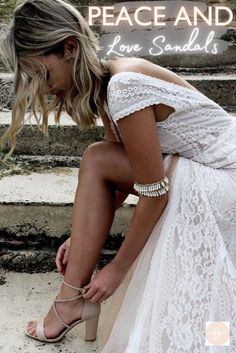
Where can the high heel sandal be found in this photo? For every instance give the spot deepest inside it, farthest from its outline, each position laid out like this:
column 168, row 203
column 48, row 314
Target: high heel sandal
column 90, row 314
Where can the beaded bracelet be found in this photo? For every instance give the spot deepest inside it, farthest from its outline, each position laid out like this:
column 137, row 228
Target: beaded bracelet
column 153, row 190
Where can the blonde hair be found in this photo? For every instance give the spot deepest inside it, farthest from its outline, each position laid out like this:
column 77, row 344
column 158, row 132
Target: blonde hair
column 40, row 27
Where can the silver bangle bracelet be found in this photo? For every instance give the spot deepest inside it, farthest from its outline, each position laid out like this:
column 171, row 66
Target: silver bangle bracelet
column 153, row 190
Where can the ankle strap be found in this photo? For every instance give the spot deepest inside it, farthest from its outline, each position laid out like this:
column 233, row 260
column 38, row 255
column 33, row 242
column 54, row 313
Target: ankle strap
column 79, row 289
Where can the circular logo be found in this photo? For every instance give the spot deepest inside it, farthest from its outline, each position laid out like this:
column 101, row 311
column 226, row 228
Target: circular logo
column 217, row 333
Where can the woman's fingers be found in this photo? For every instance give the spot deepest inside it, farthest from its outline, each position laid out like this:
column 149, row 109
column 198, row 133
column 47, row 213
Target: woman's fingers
column 62, row 256
column 97, row 298
column 58, row 261
column 102, row 298
column 65, row 257
column 93, row 295
column 90, row 293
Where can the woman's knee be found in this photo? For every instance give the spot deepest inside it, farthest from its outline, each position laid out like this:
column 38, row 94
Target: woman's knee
column 109, row 159
column 98, row 156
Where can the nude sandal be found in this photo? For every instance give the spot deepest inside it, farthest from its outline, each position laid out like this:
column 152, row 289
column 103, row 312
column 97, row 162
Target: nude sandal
column 90, row 314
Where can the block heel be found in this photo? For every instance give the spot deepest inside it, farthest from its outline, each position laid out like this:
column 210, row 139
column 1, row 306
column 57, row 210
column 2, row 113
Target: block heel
column 91, row 326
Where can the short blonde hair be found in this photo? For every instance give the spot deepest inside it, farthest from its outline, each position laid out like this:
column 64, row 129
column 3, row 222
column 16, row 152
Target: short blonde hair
column 39, row 27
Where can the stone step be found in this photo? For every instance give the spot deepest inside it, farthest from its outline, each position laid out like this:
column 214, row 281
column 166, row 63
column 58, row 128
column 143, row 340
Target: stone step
column 66, row 143
column 35, row 217
column 27, row 297
column 54, row 188
column 212, row 86
column 64, row 140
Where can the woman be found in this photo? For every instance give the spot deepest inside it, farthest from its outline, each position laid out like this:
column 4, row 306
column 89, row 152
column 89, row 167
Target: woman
column 181, row 239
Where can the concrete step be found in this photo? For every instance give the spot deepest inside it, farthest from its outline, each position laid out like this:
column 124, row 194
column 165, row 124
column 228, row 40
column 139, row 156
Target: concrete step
column 35, row 217
column 55, row 186
column 212, row 86
column 27, row 297
column 49, row 190
column 65, row 142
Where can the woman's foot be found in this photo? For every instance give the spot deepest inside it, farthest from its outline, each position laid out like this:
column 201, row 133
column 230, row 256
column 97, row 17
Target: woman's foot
column 68, row 312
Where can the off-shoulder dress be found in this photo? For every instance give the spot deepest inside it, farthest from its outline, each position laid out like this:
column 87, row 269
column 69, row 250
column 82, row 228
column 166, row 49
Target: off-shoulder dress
column 185, row 275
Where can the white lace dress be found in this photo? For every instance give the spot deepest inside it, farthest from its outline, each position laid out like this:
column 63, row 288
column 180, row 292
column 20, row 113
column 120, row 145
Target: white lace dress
column 186, row 273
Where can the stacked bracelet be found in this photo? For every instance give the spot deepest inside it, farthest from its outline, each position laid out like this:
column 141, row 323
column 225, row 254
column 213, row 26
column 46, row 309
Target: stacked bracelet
column 153, row 190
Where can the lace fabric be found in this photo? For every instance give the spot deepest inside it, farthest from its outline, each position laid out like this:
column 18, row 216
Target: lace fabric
column 197, row 123
column 186, row 273
column 132, row 91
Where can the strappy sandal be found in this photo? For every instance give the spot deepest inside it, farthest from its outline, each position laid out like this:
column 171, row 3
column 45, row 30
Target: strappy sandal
column 90, row 314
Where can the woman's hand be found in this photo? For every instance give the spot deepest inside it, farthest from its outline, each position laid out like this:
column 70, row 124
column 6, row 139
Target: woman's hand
column 104, row 283
column 62, row 256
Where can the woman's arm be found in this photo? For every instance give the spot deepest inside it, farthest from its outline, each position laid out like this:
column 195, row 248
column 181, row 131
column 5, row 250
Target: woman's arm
column 145, row 217
column 140, row 138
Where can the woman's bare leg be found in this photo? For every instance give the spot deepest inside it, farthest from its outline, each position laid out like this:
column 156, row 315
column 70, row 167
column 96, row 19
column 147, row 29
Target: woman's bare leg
column 104, row 169
column 94, row 208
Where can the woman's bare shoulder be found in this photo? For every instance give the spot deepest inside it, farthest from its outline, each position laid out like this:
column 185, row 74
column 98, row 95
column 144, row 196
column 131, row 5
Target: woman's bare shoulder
column 129, row 64
column 147, row 68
